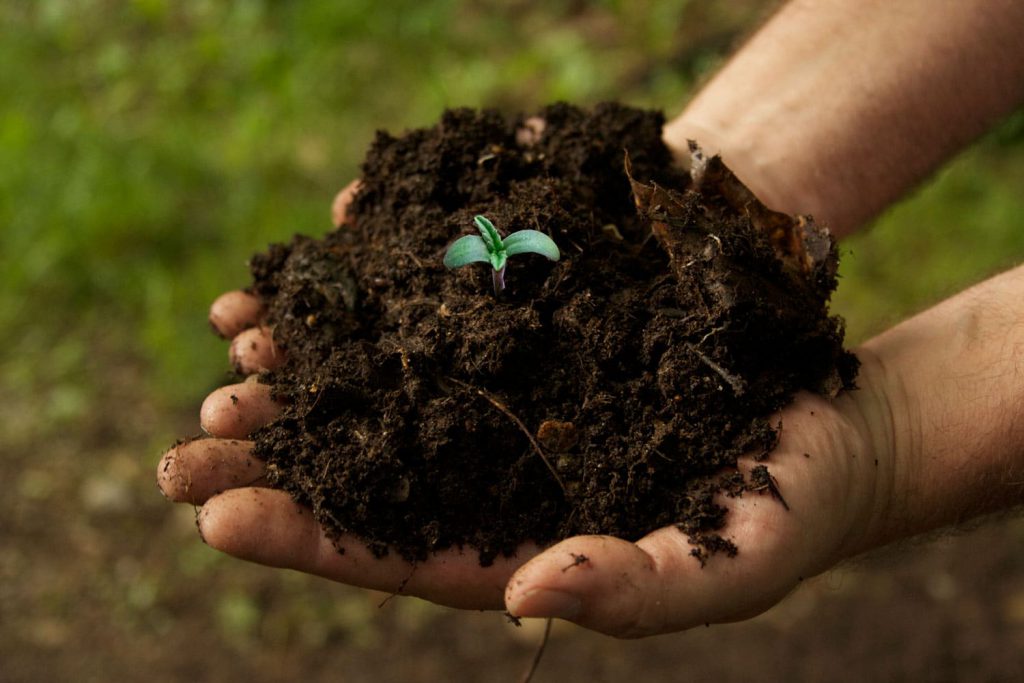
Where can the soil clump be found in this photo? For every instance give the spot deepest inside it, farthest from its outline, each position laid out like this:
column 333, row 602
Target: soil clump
column 609, row 392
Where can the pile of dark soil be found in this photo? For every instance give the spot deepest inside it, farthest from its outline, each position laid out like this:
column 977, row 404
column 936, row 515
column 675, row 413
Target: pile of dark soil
column 609, row 392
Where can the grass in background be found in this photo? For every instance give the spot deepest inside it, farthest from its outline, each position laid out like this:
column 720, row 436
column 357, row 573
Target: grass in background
column 961, row 226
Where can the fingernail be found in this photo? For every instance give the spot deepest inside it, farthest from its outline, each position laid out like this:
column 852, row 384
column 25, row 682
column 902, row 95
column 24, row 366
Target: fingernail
column 545, row 602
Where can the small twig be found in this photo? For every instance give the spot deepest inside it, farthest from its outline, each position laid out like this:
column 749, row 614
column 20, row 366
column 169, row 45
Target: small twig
column 401, row 587
column 762, row 480
column 540, row 652
column 577, row 560
column 773, row 487
column 711, row 334
column 512, row 416
column 737, row 383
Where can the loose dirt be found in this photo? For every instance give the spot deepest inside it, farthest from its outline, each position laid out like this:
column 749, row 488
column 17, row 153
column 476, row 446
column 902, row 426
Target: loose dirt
column 609, row 392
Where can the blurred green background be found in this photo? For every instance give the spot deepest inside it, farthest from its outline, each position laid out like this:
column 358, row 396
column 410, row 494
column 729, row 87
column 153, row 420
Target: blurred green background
column 147, row 148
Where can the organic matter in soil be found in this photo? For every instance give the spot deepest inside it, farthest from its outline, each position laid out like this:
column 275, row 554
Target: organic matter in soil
column 609, row 392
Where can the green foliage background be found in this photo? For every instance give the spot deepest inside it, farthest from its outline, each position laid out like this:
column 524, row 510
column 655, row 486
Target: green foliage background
column 148, row 147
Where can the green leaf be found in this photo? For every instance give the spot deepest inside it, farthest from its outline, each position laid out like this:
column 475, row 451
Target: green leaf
column 466, row 250
column 531, row 242
column 498, row 259
column 490, row 234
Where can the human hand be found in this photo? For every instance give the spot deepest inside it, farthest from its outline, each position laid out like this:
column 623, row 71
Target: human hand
column 830, row 475
column 242, row 517
column 824, row 467
column 622, row 588
column 932, row 436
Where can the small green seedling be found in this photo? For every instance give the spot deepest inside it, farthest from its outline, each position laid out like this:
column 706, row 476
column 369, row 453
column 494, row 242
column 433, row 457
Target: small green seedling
column 490, row 248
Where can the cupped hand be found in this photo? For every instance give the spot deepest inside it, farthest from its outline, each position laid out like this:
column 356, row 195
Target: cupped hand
column 830, row 470
column 830, row 483
column 242, row 517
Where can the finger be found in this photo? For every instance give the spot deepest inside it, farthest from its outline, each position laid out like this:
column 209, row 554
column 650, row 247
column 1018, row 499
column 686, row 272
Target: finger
column 193, row 471
column 655, row 585
column 530, row 132
column 235, row 311
column 342, row 201
column 253, row 350
column 235, row 411
column 268, row 527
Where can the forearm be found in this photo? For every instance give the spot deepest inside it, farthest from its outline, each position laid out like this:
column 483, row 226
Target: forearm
column 838, row 107
column 948, row 386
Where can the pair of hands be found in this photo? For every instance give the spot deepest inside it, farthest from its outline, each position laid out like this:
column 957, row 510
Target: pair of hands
column 830, row 465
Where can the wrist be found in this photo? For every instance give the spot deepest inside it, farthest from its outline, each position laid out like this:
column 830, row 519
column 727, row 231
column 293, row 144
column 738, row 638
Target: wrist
column 940, row 401
column 876, row 456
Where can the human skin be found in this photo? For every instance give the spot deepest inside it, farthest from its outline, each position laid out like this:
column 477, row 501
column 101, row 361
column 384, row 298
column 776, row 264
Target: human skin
column 932, row 436
column 837, row 108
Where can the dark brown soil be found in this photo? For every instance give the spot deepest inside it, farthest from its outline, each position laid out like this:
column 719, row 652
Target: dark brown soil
column 610, row 392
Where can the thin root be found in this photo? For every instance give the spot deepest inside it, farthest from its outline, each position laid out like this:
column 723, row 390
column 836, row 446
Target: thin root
column 540, row 652
column 401, row 587
column 490, row 398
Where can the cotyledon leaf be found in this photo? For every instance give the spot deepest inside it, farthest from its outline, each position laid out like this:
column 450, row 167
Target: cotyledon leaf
column 466, row 250
column 531, row 242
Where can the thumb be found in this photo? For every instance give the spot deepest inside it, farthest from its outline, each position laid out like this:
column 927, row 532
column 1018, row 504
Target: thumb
column 655, row 585
column 600, row 582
